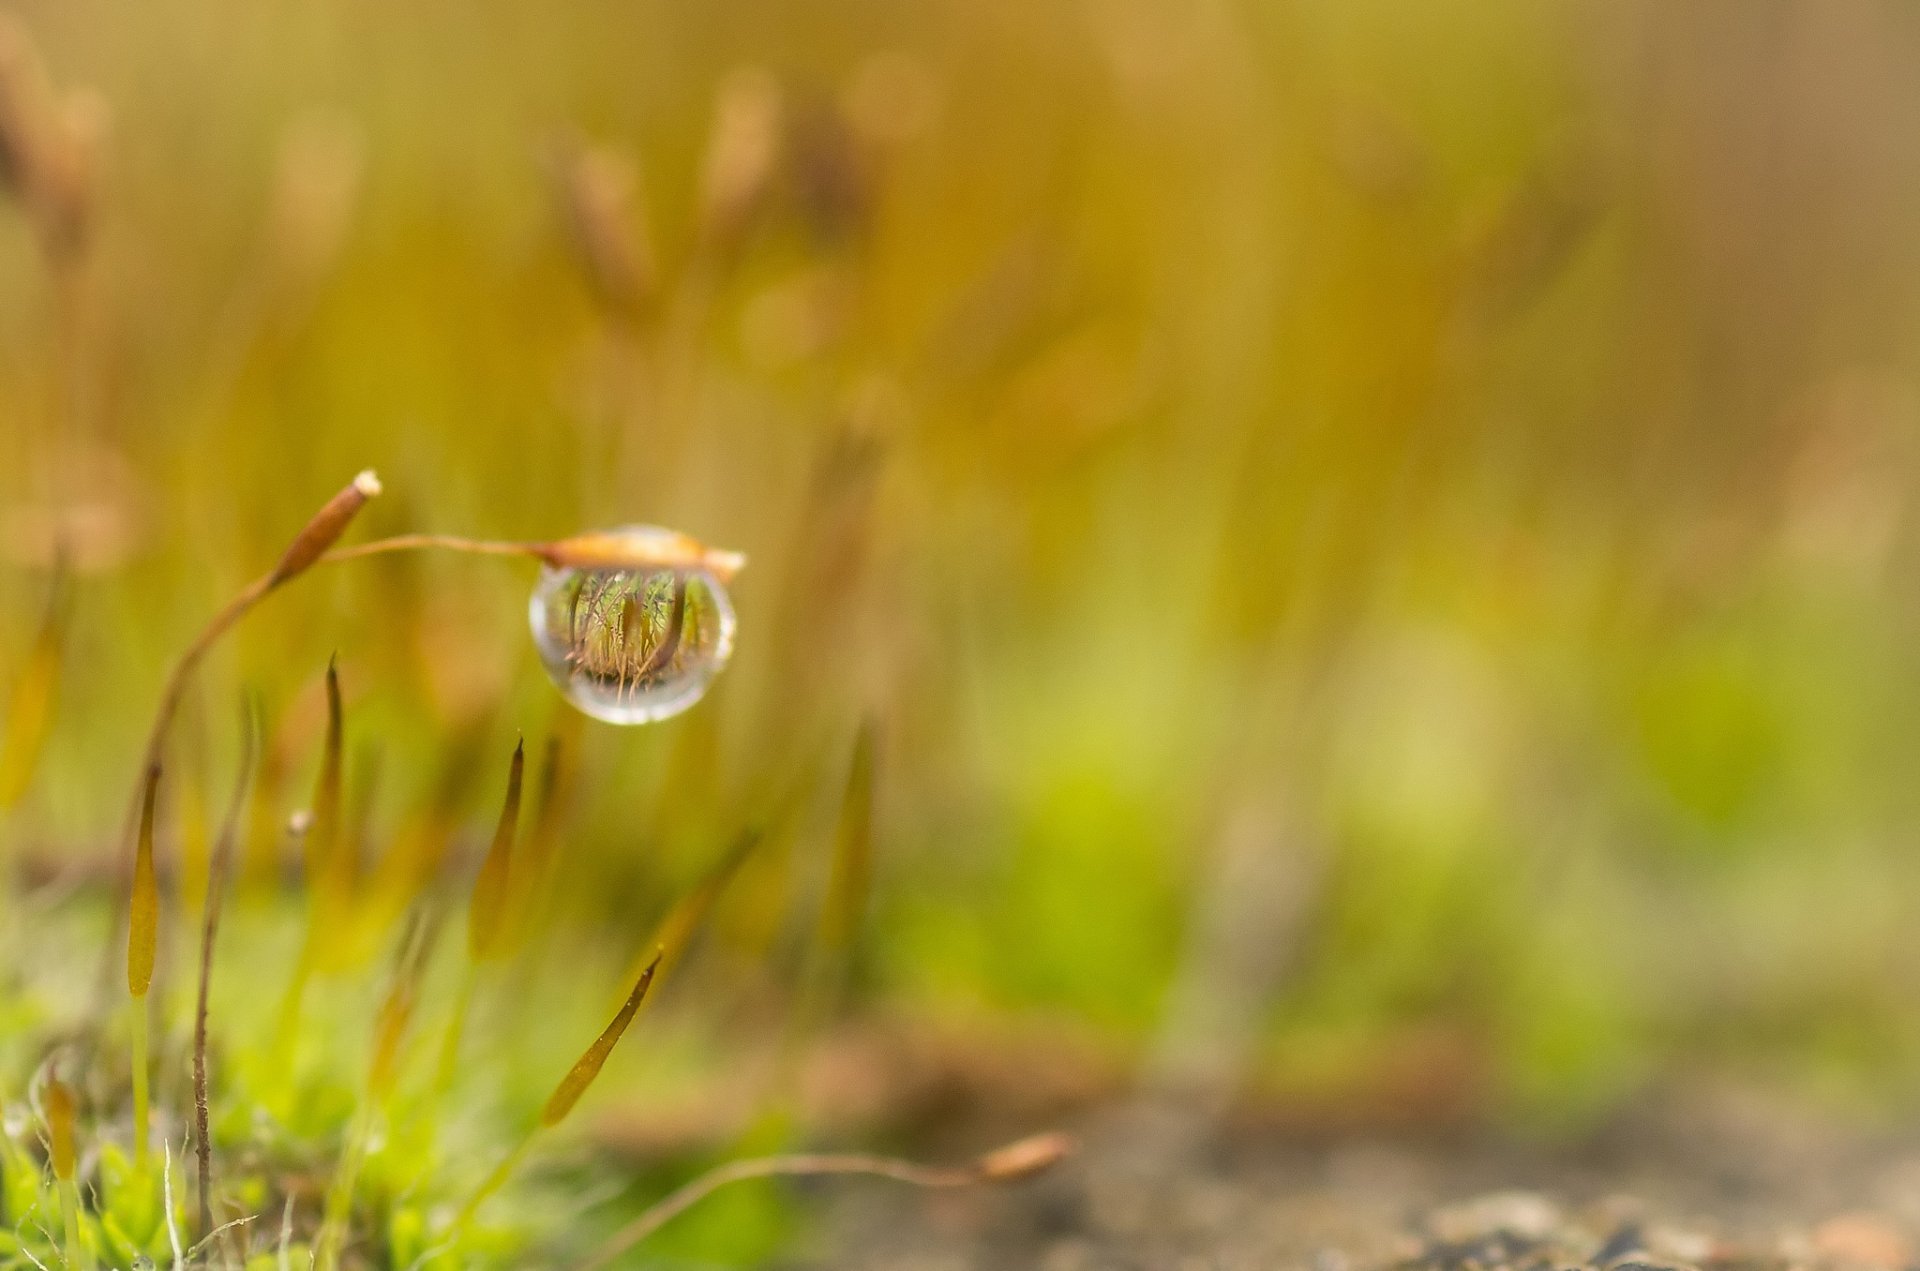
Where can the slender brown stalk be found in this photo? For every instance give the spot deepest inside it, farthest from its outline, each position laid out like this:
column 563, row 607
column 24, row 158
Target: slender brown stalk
column 1014, row 1161
column 596, row 549
column 443, row 542
column 217, row 870
column 308, row 546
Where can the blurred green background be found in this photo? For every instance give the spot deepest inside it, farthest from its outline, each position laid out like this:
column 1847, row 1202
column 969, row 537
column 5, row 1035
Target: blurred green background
column 1374, row 540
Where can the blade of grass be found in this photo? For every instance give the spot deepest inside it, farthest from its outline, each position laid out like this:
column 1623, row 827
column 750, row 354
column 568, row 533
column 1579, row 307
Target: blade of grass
column 217, row 871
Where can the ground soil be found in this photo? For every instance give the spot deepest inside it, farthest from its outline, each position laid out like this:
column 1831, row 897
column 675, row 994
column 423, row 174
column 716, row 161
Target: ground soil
column 1699, row 1179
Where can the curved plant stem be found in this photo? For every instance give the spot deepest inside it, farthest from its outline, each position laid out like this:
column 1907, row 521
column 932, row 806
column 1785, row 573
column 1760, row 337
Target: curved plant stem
column 1017, row 1160
column 260, row 588
column 189, row 661
column 229, row 616
column 445, row 542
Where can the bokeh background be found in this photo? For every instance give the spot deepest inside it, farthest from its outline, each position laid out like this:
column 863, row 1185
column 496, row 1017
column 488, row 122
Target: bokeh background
column 1373, row 543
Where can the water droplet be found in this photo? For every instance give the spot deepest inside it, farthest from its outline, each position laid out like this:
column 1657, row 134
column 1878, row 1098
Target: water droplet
column 631, row 646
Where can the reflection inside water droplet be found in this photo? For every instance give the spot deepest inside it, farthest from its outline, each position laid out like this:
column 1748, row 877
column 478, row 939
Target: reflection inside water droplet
column 631, row 646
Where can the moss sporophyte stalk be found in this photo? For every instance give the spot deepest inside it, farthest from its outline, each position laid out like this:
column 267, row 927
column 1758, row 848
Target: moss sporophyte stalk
column 632, row 625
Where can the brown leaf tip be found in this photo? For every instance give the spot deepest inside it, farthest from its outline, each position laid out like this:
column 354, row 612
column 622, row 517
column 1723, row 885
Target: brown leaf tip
column 1026, row 1158
column 325, row 528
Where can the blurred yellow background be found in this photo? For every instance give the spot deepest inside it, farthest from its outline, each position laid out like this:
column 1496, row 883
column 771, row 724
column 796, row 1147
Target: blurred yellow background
column 1367, row 535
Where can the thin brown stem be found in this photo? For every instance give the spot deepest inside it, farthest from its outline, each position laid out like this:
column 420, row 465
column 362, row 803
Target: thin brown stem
column 171, row 694
column 685, row 1197
column 176, row 686
column 1016, row 1160
column 259, row 589
column 446, row 542
column 209, row 929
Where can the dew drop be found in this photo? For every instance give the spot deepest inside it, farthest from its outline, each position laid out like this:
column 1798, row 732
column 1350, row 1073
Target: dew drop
column 631, row 646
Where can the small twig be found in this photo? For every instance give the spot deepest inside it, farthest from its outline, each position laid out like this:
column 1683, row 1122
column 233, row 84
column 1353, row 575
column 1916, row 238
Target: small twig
column 209, row 931
column 1016, row 1160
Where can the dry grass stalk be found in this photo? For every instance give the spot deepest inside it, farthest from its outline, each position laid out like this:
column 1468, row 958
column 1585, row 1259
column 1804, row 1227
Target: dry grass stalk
column 218, row 869
column 597, row 550
column 1019, row 1160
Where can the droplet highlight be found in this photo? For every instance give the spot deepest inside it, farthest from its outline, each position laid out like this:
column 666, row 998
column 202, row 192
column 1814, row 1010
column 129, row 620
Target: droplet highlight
column 632, row 646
